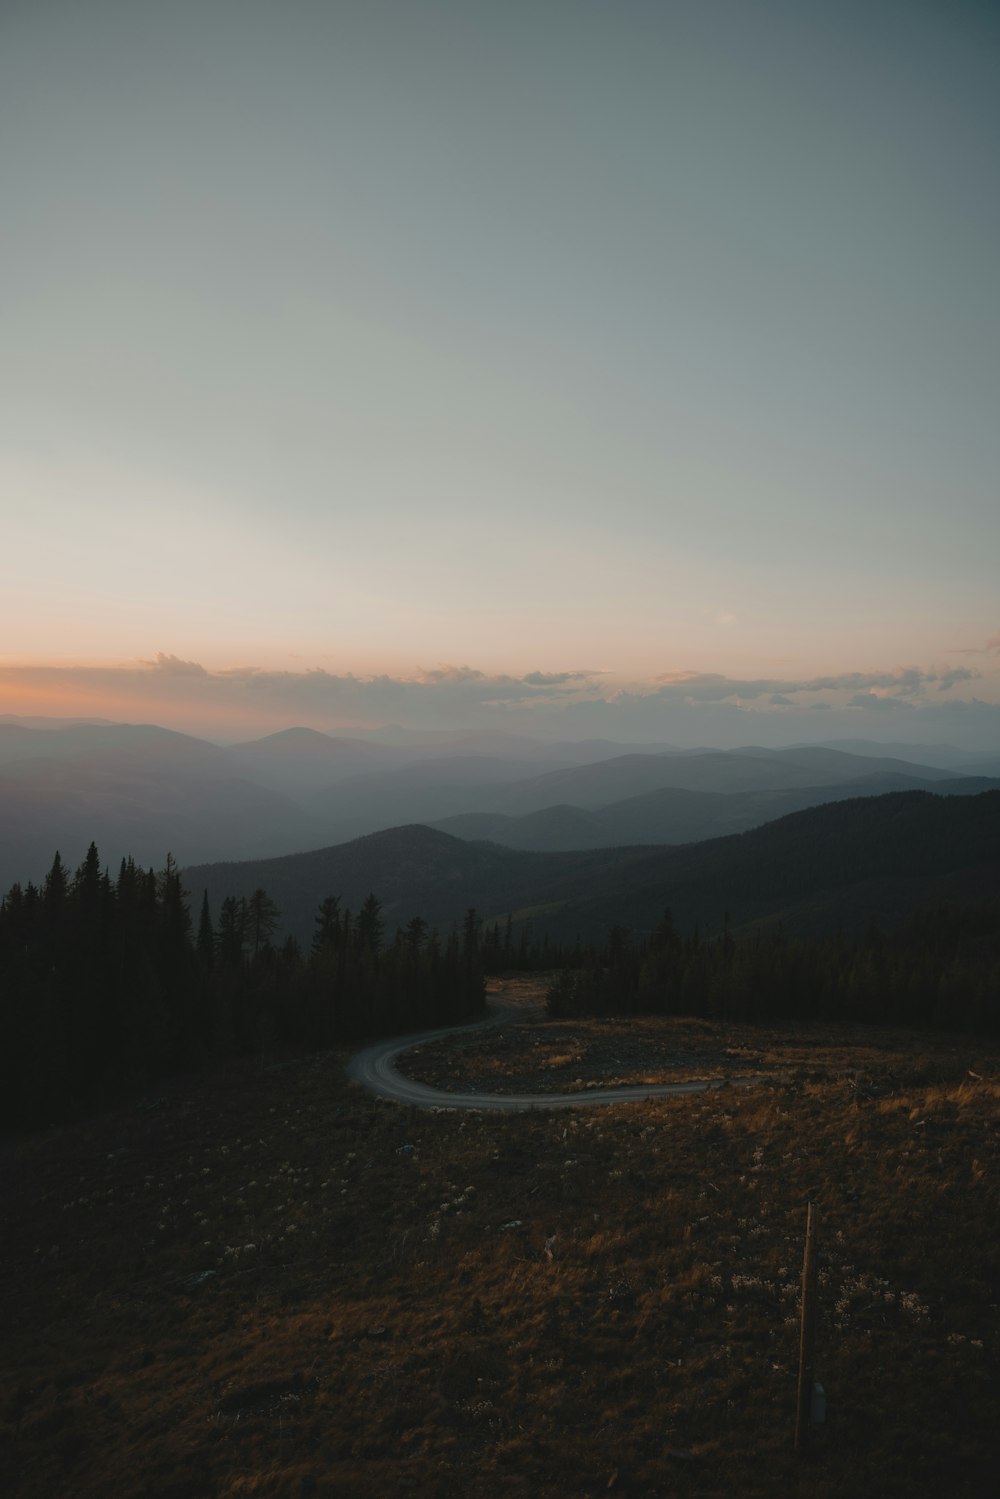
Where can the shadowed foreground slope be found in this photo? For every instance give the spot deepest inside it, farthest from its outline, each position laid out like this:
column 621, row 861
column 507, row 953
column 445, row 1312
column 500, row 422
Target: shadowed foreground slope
column 266, row 1282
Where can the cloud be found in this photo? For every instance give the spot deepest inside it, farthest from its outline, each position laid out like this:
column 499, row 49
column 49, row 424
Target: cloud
column 876, row 701
column 948, row 677
column 173, row 666
column 451, row 674
column 681, row 707
column 468, row 683
column 993, row 644
column 901, row 681
column 444, row 695
column 558, row 678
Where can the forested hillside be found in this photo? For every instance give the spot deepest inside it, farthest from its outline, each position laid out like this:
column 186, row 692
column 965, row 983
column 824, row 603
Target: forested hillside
column 109, row 982
column 817, row 870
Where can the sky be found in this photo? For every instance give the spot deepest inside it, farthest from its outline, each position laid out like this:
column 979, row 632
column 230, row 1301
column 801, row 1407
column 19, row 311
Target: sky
column 626, row 368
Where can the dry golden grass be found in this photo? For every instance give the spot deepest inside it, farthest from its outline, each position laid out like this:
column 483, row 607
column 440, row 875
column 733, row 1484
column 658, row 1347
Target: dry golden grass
column 541, row 1055
column 268, row 1283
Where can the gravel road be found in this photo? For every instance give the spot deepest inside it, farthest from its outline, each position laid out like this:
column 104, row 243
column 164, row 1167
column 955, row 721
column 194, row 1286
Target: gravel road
column 375, row 1068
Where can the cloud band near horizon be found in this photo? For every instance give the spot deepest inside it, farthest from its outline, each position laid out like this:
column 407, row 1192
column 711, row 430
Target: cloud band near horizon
column 682, row 706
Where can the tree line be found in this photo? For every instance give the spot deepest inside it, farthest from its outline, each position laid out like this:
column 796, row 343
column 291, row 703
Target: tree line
column 107, row 983
column 940, row 968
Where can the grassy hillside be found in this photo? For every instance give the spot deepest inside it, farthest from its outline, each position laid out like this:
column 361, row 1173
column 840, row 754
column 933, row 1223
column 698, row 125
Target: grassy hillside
column 267, row 1283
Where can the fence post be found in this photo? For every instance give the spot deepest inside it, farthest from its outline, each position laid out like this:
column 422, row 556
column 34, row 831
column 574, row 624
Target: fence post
column 807, row 1331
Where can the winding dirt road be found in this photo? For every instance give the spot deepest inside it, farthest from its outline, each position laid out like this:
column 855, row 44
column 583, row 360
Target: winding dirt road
column 375, row 1068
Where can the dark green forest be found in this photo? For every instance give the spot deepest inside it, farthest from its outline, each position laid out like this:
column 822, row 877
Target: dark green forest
column 940, row 968
column 108, row 984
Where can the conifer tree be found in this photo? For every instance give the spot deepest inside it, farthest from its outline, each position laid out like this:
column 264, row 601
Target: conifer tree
column 232, row 931
column 55, row 896
column 415, row 933
column 205, row 944
column 87, row 882
column 262, row 919
column 370, row 926
column 327, row 936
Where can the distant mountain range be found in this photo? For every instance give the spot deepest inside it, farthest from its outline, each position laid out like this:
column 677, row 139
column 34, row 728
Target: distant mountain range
column 678, row 816
column 134, row 789
column 828, row 867
column 144, row 790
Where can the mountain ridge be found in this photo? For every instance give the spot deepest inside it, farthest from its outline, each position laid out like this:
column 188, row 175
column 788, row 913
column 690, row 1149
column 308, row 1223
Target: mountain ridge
column 143, row 790
column 838, row 864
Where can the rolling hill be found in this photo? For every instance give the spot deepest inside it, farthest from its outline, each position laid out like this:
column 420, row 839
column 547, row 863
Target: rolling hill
column 674, row 816
column 835, row 865
column 143, row 790
column 435, row 789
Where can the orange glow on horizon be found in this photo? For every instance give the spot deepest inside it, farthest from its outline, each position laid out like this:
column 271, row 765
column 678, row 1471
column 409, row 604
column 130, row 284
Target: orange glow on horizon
column 30, row 699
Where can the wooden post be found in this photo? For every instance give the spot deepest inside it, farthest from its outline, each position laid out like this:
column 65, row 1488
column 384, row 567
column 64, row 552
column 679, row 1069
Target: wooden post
column 807, row 1331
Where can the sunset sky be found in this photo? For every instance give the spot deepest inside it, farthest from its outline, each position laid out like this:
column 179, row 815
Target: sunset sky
column 568, row 366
